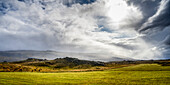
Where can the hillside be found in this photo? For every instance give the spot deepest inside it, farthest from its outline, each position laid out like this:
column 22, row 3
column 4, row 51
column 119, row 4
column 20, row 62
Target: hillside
column 70, row 64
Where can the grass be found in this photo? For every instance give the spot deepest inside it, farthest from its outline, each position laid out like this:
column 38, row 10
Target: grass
column 133, row 75
column 145, row 67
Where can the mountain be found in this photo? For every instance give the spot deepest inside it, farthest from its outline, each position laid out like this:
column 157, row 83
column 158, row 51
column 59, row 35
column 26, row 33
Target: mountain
column 18, row 55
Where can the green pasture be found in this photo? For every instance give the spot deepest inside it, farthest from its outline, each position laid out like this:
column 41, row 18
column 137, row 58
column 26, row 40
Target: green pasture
column 144, row 74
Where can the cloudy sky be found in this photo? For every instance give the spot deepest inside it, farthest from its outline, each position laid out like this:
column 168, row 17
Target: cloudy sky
column 138, row 29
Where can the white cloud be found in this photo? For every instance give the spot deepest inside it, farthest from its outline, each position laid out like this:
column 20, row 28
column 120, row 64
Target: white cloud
column 78, row 28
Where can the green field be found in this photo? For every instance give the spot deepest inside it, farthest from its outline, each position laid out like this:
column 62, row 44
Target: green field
column 144, row 74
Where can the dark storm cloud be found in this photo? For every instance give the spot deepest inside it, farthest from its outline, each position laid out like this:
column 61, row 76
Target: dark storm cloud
column 157, row 28
column 6, row 6
column 65, row 2
column 167, row 40
column 160, row 20
column 147, row 7
column 78, row 1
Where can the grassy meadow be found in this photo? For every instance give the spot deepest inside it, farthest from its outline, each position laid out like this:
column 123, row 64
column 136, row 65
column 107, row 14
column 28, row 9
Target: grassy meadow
column 143, row 74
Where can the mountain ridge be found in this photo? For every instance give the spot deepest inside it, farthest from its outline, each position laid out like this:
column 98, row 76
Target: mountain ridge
column 17, row 55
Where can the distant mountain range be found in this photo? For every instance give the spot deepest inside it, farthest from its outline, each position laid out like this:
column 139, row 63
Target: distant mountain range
column 17, row 55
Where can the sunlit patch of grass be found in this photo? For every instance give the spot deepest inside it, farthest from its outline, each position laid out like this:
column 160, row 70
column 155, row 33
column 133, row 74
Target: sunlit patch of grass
column 145, row 67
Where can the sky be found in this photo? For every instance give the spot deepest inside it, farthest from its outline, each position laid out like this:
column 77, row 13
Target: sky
column 137, row 29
